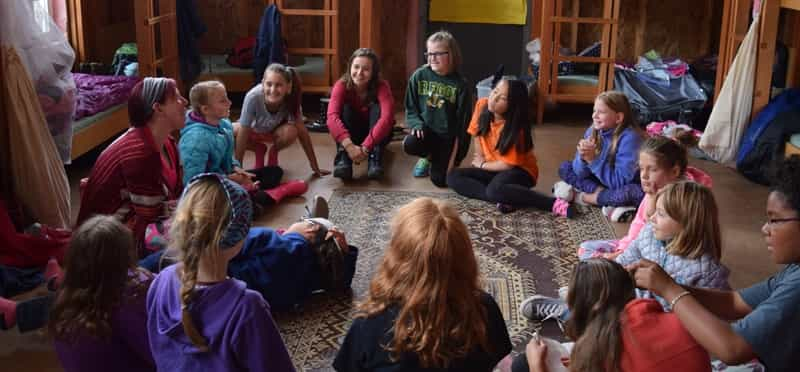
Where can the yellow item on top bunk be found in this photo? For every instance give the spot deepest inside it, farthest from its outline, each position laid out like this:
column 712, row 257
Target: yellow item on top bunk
column 511, row 12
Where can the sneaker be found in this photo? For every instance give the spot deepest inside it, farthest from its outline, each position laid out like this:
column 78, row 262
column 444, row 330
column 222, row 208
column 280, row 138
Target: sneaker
column 541, row 308
column 620, row 214
column 563, row 208
column 505, row 208
column 319, row 208
column 423, row 168
column 579, row 199
column 562, row 293
column 563, row 190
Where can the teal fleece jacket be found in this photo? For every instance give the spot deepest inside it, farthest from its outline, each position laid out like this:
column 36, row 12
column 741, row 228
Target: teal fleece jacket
column 206, row 148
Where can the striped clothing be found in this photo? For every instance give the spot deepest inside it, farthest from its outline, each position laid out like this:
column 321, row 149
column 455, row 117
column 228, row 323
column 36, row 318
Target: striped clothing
column 127, row 181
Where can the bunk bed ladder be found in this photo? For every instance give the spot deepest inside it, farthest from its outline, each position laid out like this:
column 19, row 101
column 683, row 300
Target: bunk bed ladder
column 553, row 18
column 330, row 48
column 157, row 38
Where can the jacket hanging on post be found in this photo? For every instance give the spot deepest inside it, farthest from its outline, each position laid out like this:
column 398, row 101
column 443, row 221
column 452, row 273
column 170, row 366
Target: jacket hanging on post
column 269, row 42
column 190, row 29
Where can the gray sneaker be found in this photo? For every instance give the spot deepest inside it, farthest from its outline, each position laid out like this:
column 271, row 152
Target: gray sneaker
column 318, row 209
column 540, row 308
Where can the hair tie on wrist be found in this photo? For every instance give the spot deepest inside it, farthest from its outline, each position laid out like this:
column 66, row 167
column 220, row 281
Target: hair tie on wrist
column 678, row 297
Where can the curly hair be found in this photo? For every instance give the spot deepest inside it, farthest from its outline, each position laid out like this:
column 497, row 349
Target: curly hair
column 98, row 269
column 430, row 274
column 786, row 180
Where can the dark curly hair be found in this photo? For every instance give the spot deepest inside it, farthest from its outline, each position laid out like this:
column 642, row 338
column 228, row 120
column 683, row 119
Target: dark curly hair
column 786, row 180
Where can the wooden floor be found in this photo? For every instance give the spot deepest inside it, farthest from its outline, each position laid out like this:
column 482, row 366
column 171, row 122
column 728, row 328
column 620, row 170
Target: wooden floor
column 741, row 205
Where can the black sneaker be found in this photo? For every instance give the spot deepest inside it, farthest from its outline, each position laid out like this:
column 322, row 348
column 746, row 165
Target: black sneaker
column 541, row 308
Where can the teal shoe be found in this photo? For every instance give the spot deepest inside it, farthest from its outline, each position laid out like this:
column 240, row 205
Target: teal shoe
column 423, row 168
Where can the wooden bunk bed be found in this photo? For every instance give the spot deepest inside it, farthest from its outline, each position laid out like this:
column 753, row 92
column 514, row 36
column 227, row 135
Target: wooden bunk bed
column 154, row 23
column 552, row 87
column 318, row 66
column 736, row 22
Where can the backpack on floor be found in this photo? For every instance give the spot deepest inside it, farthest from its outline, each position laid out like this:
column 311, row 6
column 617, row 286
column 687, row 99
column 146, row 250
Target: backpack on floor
column 243, row 53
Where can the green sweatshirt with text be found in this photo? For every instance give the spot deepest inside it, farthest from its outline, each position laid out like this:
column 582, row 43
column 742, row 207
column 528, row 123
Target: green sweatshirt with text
column 441, row 103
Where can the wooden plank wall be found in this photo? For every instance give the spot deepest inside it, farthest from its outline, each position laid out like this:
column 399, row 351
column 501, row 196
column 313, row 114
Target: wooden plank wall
column 106, row 26
column 229, row 20
column 684, row 28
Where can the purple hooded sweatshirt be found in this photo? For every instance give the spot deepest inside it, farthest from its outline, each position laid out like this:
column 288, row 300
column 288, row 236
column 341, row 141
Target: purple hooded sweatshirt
column 235, row 321
column 126, row 349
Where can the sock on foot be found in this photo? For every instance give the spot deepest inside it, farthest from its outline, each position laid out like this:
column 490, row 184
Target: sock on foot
column 286, row 189
column 260, row 149
column 8, row 313
column 272, row 156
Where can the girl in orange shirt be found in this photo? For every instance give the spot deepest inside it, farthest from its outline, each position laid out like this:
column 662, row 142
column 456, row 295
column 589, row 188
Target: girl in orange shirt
column 503, row 168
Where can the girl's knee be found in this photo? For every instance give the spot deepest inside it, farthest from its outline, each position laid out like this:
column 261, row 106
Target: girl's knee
column 413, row 146
column 285, row 135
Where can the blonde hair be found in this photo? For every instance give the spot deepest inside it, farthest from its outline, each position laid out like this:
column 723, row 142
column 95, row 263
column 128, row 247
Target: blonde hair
column 449, row 40
column 198, row 226
column 617, row 102
column 430, row 273
column 692, row 205
column 201, row 92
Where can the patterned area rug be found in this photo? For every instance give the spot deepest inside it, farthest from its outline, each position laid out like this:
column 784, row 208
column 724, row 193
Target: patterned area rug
column 520, row 254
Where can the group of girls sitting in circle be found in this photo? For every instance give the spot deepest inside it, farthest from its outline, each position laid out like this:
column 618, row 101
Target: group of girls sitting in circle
column 661, row 303
column 658, row 299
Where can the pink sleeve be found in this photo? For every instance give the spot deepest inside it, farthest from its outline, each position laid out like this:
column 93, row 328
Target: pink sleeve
column 638, row 223
column 384, row 125
column 335, row 124
column 697, row 175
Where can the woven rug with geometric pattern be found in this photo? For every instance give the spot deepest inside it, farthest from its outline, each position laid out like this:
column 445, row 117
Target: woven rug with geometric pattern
column 520, row 254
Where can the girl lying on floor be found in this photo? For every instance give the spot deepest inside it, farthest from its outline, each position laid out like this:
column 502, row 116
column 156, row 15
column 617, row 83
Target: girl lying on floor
column 287, row 266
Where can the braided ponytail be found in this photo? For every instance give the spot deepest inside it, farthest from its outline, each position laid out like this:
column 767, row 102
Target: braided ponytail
column 197, row 230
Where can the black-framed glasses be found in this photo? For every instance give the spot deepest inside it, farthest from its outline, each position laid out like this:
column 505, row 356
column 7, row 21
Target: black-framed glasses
column 435, row 54
column 776, row 221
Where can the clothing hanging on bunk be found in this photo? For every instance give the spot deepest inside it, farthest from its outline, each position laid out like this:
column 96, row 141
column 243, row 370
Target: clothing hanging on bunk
column 269, row 42
column 190, row 29
column 731, row 113
column 38, row 180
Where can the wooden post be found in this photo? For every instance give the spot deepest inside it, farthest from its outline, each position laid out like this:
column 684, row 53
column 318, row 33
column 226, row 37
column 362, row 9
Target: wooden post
column 369, row 25
column 768, row 34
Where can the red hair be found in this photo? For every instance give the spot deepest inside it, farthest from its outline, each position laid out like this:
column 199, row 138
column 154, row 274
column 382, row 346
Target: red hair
column 430, row 273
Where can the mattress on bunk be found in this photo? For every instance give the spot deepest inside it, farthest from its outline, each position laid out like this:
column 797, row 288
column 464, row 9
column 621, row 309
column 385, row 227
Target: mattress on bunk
column 86, row 122
column 578, row 80
column 216, row 64
column 97, row 93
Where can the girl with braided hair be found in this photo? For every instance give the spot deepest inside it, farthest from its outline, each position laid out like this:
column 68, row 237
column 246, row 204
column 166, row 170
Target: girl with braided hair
column 198, row 318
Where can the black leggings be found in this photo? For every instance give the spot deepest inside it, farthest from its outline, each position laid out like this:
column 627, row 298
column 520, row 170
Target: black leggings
column 269, row 176
column 511, row 186
column 437, row 148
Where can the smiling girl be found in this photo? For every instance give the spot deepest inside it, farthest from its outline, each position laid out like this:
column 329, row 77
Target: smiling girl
column 604, row 170
column 360, row 116
column 271, row 114
column 504, row 167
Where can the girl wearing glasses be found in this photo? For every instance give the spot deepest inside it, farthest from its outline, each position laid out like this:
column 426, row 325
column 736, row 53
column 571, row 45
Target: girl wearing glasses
column 767, row 320
column 437, row 110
